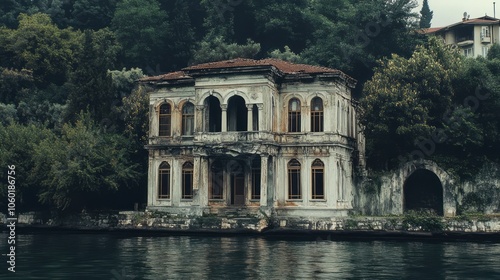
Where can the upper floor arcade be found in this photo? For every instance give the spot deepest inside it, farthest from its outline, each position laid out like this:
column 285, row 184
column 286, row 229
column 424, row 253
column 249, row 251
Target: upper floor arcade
column 254, row 101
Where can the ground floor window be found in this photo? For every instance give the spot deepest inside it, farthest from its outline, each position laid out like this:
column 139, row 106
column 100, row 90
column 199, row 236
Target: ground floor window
column 256, row 179
column 217, row 181
column 187, row 180
column 318, row 186
column 294, row 180
column 164, row 181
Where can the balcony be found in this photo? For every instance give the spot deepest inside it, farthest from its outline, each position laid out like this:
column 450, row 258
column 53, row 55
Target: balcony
column 485, row 39
column 462, row 42
column 233, row 137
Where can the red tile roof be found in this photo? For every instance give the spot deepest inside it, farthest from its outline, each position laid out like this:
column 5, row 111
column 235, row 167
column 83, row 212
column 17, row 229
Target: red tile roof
column 430, row 30
column 165, row 77
column 284, row 67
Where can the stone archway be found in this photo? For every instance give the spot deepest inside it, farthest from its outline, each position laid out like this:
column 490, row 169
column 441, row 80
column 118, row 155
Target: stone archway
column 423, row 190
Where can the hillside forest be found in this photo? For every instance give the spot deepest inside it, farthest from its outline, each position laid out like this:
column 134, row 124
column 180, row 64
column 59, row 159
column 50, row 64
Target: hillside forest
column 73, row 120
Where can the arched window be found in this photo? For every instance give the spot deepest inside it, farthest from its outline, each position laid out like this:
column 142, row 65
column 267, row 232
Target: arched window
column 317, row 115
column 165, row 120
column 294, row 180
column 187, row 180
column 294, row 115
column 164, row 181
column 318, row 182
column 188, row 119
column 217, row 181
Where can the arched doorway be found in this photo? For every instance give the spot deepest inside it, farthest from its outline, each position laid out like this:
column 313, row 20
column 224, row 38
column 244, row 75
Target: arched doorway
column 423, row 191
column 237, row 114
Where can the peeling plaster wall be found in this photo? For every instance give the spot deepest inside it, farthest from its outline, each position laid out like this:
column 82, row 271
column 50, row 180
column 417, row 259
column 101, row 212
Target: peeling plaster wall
column 383, row 194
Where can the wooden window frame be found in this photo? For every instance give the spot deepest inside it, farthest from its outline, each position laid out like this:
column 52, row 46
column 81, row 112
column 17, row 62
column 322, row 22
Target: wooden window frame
column 317, row 167
column 164, row 169
column 256, row 175
column 187, row 116
column 165, row 120
column 294, row 168
column 187, row 170
column 294, row 116
column 317, row 116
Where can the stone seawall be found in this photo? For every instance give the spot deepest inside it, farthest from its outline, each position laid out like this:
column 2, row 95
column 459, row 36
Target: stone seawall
column 395, row 226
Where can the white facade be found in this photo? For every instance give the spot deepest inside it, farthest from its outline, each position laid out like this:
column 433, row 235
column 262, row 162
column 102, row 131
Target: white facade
column 267, row 135
column 474, row 37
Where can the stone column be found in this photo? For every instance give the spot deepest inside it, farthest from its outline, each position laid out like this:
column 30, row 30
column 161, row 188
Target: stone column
column 224, row 117
column 196, row 180
column 203, row 186
column 263, row 180
column 198, row 118
column 249, row 117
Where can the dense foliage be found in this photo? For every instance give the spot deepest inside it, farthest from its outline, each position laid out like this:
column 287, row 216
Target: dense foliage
column 437, row 105
column 74, row 122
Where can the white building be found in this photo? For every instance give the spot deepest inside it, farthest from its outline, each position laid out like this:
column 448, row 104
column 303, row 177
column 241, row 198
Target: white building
column 473, row 36
column 256, row 135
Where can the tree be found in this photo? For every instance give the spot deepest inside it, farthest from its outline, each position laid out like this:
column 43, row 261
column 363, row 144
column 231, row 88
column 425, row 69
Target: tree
column 406, row 98
column 353, row 35
column 39, row 45
column 83, row 167
column 92, row 14
column 218, row 49
column 17, row 143
column 426, row 15
column 287, row 55
column 281, row 23
column 91, row 86
column 142, row 29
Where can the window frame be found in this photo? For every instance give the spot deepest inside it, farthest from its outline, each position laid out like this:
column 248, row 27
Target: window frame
column 294, row 169
column 164, row 169
column 317, row 116
column 165, row 120
column 186, row 117
column 317, row 167
column 294, row 116
column 187, row 170
column 256, row 177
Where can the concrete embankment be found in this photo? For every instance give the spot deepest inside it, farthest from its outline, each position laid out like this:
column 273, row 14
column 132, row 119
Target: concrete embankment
column 338, row 228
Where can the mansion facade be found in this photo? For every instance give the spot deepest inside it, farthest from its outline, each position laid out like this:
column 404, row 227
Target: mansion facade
column 264, row 135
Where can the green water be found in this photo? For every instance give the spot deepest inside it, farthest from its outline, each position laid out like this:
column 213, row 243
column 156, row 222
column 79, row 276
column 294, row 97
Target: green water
column 111, row 256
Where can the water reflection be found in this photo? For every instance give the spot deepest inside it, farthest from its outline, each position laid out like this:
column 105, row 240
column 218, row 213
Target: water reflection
column 100, row 256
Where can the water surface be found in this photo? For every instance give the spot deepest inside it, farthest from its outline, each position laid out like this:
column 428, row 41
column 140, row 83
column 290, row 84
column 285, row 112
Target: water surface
column 112, row 256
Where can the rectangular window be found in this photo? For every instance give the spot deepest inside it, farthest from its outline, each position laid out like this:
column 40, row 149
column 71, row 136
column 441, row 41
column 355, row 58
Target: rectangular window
column 294, row 184
column 293, row 121
column 318, row 190
column 164, row 184
column 469, row 52
column 256, row 183
column 317, row 121
column 187, row 183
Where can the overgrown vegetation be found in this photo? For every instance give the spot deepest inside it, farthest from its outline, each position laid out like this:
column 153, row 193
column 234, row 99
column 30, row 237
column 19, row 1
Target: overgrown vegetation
column 74, row 123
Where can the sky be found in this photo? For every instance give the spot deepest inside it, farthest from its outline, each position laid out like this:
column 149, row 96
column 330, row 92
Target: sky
column 447, row 12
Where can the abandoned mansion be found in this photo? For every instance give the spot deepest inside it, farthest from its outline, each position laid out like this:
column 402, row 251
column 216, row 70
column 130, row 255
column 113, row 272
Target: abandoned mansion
column 257, row 134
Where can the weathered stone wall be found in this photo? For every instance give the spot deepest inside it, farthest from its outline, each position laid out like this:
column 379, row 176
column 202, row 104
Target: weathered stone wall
column 161, row 221
column 383, row 193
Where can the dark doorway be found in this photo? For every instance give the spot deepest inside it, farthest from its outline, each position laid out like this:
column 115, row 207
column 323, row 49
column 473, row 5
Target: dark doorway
column 213, row 114
column 423, row 192
column 237, row 114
